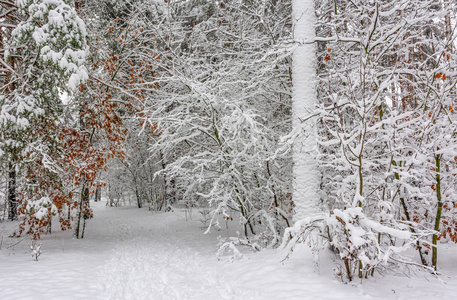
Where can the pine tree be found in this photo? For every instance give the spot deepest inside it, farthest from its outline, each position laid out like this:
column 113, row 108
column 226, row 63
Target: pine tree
column 46, row 52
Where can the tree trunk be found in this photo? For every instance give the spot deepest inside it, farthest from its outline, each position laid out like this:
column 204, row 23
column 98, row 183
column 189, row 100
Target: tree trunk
column 306, row 176
column 12, row 199
column 138, row 198
column 98, row 194
column 438, row 211
column 83, row 204
column 170, row 187
column 171, row 194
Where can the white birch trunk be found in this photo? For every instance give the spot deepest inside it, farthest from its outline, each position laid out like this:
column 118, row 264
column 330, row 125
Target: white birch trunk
column 304, row 98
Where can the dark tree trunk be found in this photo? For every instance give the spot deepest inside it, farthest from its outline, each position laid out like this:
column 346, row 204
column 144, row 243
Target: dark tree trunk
column 138, row 198
column 170, row 194
column 170, row 186
column 83, row 204
column 85, row 198
column 49, row 226
column 12, row 200
column 98, row 194
column 86, row 205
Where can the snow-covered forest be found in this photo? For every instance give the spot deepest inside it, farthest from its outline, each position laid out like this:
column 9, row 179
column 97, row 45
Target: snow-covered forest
column 228, row 149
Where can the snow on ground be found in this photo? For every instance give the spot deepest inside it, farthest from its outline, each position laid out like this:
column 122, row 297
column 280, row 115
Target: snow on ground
column 131, row 253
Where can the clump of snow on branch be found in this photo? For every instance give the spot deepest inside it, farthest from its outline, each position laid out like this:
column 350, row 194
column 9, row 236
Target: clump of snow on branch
column 41, row 207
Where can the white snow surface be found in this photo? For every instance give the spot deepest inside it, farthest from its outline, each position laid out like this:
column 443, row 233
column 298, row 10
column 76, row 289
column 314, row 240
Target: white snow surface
column 131, row 253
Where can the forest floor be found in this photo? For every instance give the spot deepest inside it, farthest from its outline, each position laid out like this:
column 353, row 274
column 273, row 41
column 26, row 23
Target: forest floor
column 131, row 253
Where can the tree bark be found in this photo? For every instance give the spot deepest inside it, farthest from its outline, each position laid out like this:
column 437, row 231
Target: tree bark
column 98, row 194
column 438, row 211
column 12, row 199
column 306, row 176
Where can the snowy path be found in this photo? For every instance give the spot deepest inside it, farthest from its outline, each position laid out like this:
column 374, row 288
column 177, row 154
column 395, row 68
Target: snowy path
column 126, row 253
column 159, row 260
column 129, row 253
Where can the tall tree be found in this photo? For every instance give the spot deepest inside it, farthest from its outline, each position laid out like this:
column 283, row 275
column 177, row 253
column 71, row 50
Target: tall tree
column 308, row 215
column 306, row 176
column 9, row 16
column 45, row 54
